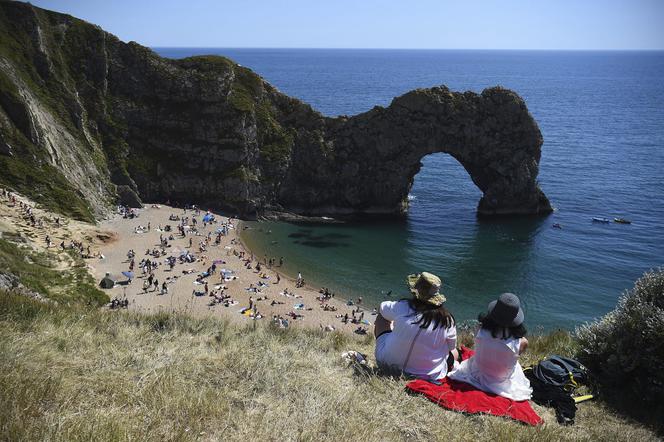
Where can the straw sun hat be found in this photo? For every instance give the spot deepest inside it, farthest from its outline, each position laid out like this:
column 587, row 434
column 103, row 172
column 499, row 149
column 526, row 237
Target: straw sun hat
column 426, row 287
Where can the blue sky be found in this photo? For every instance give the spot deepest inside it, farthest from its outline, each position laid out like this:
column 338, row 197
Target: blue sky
column 426, row 24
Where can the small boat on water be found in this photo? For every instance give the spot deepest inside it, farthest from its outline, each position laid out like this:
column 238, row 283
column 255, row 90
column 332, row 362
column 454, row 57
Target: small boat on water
column 597, row 219
column 621, row 221
column 556, row 226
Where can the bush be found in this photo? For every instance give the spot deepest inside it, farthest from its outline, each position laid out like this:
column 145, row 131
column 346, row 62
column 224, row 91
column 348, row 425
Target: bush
column 625, row 349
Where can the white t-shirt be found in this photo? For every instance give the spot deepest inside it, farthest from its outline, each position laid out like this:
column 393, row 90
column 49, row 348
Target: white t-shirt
column 495, row 367
column 428, row 359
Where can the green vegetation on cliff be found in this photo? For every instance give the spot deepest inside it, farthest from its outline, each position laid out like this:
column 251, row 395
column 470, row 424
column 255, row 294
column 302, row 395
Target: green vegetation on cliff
column 29, row 169
column 38, row 272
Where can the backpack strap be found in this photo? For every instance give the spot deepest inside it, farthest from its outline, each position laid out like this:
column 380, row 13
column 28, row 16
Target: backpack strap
column 412, row 344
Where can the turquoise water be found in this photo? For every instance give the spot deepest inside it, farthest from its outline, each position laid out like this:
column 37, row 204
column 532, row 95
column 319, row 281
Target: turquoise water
column 602, row 117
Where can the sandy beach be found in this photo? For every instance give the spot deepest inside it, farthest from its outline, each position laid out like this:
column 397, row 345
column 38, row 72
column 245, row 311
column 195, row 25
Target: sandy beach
column 300, row 306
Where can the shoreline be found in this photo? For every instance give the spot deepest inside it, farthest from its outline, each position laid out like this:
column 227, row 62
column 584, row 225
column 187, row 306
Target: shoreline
column 268, row 299
column 285, row 275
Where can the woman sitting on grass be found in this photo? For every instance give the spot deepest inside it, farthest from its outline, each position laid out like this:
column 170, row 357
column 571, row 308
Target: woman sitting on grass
column 495, row 367
column 417, row 336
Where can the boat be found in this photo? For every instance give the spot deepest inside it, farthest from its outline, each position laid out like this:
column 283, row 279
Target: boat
column 621, row 221
column 597, row 219
column 556, row 226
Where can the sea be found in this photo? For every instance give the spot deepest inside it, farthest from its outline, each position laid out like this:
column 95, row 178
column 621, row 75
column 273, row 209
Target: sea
column 602, row 118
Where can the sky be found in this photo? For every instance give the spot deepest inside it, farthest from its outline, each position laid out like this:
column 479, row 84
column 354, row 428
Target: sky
column 412, row 24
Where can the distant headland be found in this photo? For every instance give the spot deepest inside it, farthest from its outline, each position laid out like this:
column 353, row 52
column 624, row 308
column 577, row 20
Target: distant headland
column 91, row 121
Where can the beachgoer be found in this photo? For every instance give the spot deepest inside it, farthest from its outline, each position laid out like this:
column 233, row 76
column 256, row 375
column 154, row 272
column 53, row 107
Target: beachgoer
column 417, row 336
column 501, row 339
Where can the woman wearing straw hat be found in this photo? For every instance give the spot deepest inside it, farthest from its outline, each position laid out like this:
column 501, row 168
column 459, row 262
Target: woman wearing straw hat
column 417, row 336
column 495, row 367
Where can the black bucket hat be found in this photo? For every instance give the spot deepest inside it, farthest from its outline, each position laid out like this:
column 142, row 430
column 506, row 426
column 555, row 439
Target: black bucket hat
column 506, row 311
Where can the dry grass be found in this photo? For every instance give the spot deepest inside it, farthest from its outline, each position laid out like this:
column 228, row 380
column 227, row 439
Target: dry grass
column 69, row 373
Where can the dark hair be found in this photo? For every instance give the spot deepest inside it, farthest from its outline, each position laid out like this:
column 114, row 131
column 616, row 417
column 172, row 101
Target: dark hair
column 429, row 313
column 500, row 331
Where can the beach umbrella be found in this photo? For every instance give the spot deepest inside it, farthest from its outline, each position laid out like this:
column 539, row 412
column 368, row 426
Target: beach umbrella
column 220, row 230
column 129, row 275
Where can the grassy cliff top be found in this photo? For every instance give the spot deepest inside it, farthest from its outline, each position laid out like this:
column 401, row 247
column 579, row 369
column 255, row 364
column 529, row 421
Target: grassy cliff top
column 73, row 373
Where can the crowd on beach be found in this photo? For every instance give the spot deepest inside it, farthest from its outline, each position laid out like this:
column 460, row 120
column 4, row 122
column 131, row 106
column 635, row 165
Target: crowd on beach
column 199, row 244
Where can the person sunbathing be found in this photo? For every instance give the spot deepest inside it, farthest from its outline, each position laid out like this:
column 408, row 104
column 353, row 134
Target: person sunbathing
column 495, row 367
column 417, row 336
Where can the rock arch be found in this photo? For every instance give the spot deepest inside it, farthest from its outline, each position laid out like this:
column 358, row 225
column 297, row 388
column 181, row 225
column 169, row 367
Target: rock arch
column 372, row 158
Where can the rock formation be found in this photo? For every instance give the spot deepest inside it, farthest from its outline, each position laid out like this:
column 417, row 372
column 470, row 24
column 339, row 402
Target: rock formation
column 87, row 119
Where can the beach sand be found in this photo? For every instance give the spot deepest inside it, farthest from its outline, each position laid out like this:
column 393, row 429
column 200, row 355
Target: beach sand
column 180, row 298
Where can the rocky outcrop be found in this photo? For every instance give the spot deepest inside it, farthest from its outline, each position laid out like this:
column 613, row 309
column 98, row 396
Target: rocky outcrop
column 11, row 283
column 110, row 119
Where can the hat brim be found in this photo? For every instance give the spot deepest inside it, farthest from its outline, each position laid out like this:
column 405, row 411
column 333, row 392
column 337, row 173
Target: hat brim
column 517, row 321
column 436, row 299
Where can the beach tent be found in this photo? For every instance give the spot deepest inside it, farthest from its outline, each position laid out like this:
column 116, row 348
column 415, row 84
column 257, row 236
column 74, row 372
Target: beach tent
column 107, row 282
column 209, row 217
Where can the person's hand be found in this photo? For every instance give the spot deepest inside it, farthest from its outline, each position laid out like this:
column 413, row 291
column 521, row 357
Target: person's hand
column 523, row 345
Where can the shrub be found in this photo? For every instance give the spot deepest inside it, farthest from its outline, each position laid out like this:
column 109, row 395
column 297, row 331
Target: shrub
column 625, row 349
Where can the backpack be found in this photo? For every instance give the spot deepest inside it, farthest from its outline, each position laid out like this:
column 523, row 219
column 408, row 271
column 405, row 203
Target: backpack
column 561, row 372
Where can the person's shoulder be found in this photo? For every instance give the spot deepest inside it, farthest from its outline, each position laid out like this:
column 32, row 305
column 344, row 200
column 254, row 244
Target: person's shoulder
column 396, row 307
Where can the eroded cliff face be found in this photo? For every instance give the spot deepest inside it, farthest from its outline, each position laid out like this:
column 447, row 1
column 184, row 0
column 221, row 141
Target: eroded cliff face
column 90, row 119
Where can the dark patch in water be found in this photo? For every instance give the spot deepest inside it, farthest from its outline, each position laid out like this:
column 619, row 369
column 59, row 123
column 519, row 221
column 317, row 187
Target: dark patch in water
column 323, row 244
column 299, row 235
column 336, row 236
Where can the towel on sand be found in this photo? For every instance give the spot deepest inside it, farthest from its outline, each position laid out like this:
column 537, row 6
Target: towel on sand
column 460, row 396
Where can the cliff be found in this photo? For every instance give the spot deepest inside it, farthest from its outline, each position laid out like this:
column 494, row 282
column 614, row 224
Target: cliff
column 87, row 120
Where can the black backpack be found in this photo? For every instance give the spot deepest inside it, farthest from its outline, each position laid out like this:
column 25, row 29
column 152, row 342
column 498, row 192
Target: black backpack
column 561, row 372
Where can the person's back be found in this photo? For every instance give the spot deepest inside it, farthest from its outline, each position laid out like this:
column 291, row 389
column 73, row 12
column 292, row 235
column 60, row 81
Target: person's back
column 416, row 335
column 501, row 339
column 430, row 346
column 495, row 357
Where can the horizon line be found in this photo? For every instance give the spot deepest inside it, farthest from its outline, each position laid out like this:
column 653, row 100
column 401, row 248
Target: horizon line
column 413, row 49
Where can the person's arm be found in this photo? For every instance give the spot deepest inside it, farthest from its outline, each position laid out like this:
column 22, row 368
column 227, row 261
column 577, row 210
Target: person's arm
column 381, row 325
column 384, row 318
column 523, row 345
column 388, row 310
column 451, row 337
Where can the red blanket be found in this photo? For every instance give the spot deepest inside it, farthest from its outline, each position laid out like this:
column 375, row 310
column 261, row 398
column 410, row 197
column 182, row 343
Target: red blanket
column 460, row 396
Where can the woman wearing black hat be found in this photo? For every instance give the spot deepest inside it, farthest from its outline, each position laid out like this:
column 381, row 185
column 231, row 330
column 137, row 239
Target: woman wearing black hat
column 495, row 367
